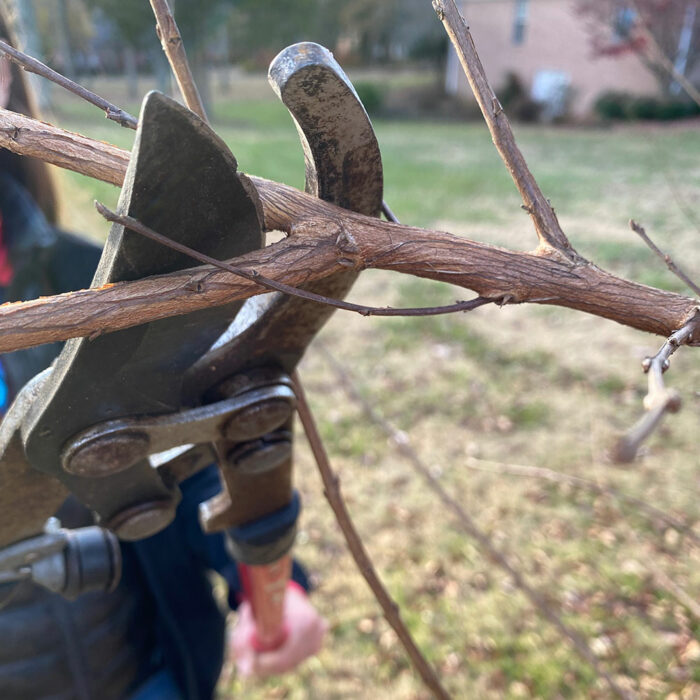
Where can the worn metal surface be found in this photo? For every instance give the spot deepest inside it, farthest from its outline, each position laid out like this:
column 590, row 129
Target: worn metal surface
column 343, row 166
column 113, row 446
column 27, row 497
column 181, row 181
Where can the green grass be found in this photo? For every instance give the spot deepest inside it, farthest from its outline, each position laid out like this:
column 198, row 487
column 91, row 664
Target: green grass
column 528, row 385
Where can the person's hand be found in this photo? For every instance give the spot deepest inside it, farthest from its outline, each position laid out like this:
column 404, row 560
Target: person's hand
column 305, row 631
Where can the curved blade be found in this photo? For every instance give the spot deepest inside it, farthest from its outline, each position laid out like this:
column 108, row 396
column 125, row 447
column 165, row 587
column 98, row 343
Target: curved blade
column 182, row 182
column 343, row 166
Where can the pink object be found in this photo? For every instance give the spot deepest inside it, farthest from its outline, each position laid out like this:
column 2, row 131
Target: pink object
column 264, row 587
column 304, row 631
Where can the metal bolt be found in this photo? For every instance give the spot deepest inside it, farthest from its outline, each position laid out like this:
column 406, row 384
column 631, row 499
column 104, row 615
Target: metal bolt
column 261, row 455
column 142, row 520
column 106, row 455
column 258, row 420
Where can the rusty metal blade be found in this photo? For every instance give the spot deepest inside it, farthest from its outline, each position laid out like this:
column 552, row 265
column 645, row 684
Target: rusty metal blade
column 343, row 166
column 181, row 181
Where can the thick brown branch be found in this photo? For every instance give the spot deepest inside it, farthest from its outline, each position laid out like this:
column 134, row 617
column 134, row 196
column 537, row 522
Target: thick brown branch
column 171, row 41
column 30, row 137
column 272, row 285
column 31, row 65
column 323, row 239
column 331, row 485
column 547, row 226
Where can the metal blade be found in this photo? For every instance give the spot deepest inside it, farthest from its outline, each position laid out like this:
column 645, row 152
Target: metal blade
column 182, row 182
column 343, row 166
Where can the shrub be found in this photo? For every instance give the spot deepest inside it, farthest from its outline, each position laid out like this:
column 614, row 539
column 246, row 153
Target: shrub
column 371, row 95
column 516, row 101
column 621, row 105
column 613, row 105
column 644, row 108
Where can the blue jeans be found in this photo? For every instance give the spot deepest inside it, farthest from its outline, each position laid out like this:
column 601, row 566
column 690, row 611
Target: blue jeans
column 162, row 686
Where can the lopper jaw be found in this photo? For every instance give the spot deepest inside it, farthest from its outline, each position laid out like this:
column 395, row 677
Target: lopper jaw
column 217, row 379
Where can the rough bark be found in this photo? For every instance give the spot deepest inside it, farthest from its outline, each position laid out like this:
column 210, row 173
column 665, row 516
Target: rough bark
column 323, row 239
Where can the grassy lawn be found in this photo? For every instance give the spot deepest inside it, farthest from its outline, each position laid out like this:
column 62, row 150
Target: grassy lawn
column 528, row 386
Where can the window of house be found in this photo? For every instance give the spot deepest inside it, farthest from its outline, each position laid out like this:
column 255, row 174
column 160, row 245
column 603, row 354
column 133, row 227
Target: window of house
column 519, row 21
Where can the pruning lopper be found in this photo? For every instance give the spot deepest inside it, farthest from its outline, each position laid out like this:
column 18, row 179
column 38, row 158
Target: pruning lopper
column 120, row 420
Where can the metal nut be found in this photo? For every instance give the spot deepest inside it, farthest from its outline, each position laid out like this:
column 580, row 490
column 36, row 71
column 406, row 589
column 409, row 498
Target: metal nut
column 260, row 455
column 106, row 455
column 258, row 420
column 142, row 520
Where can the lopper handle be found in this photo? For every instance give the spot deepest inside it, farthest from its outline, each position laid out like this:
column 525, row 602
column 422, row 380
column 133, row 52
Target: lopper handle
column 265, row 586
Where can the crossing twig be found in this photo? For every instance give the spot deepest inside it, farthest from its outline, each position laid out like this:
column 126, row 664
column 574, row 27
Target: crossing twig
column 659, row 399
column 32, row 65
column 174, row 49
column 402, row 443
column 332, row 492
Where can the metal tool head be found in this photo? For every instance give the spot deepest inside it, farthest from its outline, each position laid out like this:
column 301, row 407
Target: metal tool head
column 182, row 182
column 343, row 162
column 343, row 166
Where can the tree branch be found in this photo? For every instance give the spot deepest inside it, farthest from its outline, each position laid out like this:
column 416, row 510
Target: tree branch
column 323, row 239
column 331, row 485
column 32, row 65
column 491, row 467
column 402, row 444
column 171, row 41
column 272, row 285
column 639, row 230
column 659, row 400
column 549, row 231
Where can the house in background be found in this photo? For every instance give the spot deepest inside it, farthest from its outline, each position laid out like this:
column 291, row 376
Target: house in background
column 545, row 43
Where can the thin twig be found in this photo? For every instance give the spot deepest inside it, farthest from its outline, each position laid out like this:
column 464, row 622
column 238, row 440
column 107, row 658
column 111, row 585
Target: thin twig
column 657, row 55
column 32, row 65
column 487, row 465
column 666, row 582
column 659, row 399
column 469, row 526
column 171, row 41
column 390, row 216
column 253, row 276
column 639, row 230
column 547, row 226
column 332, row 492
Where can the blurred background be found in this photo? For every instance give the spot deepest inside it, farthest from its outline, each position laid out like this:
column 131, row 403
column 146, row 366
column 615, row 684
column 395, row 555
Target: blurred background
column 506, row 406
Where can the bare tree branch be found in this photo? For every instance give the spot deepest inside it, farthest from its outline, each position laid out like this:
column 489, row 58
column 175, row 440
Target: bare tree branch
column 659, row 400
column 402, row 443
column 639, row 230
column 332, row 492
column 256, row 277
column 487, row 465
column 32, row 65
column 547, row 226
column 30, row 137
column 655, row 54
column 171, row 41
column 322, row 234
column 667, row 583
